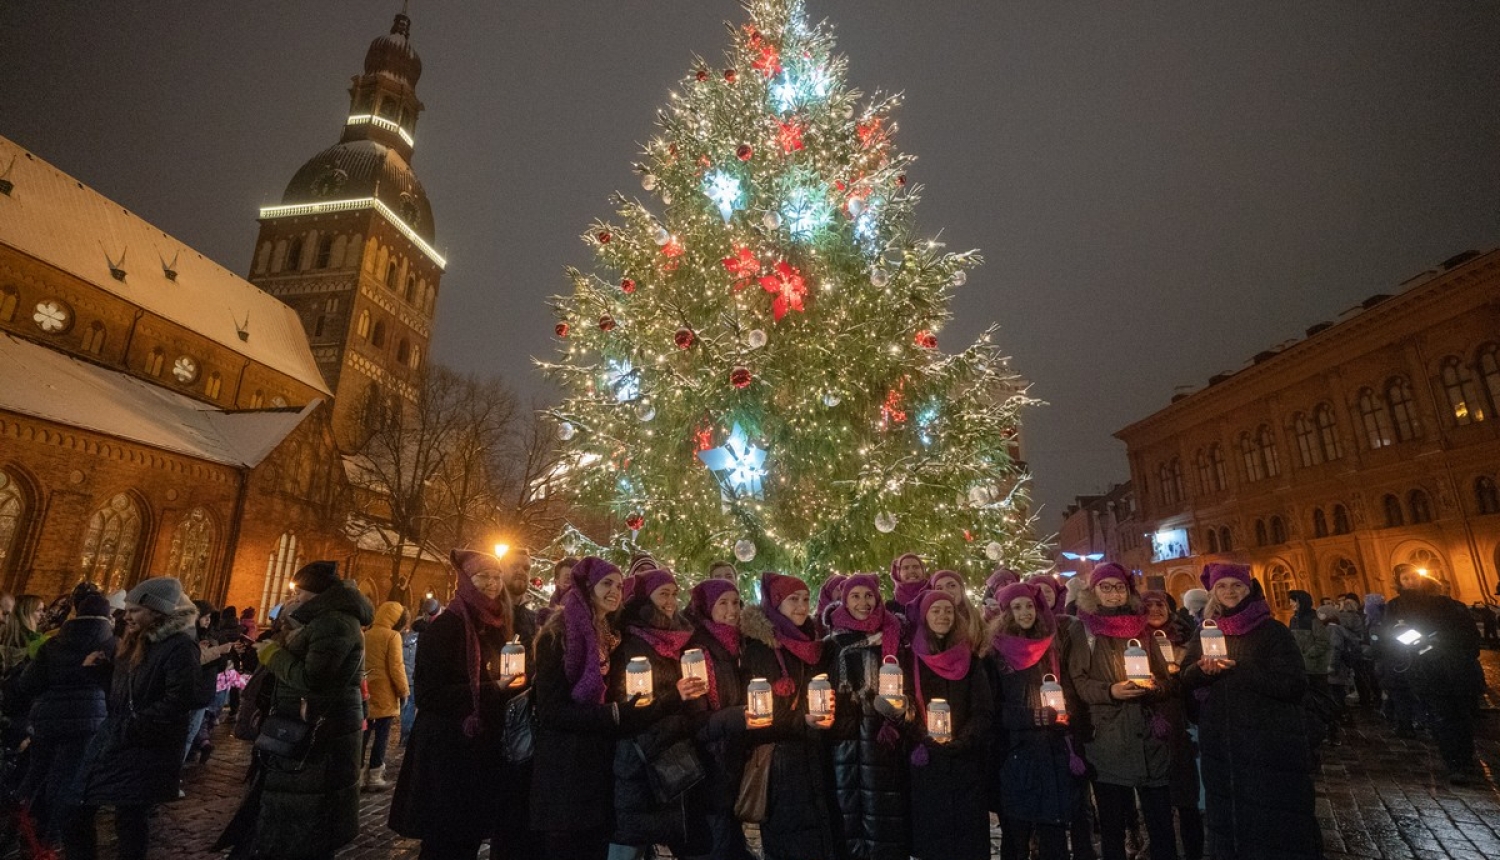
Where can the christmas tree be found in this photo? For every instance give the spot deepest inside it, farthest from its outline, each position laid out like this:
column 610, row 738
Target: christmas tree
column 753, row 367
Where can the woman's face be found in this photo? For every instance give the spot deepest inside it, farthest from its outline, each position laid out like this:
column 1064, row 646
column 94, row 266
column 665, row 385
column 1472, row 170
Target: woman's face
column 489, row 582
column 664, row 599
column 796, row 607
column 722, row 571
column 951, row 587
column 607, row 592
column 1229, row 592
column 1157, row 613
column 1112, row 593
column 1349, row 606
column 137, row 618
column 911, row 570
column 562, row 578
column 36, row 615
column 1410, row 578
column 726, row 610
column 205, row 621
column 860, row 601
column 1023, row 610
column 940, row 618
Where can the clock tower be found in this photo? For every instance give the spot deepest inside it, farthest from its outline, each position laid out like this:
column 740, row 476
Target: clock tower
column 350, row 246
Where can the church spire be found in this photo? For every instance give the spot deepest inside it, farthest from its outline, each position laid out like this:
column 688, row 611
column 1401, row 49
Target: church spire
column 383, row 104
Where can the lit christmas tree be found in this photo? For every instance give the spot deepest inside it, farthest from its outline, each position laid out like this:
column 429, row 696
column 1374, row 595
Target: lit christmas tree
column 754, row 369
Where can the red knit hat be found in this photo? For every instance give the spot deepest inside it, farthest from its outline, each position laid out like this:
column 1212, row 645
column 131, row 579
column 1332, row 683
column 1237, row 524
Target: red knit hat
column 1110, row 570
column 776, row 587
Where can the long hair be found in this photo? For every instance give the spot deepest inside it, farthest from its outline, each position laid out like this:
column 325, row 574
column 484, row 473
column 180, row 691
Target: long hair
column 133, row 644
column 18, row 627
column 962, row 632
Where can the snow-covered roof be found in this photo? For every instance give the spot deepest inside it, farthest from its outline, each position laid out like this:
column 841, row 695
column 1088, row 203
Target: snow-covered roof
column 59, row 220
column 370, row 536
column 46, row 384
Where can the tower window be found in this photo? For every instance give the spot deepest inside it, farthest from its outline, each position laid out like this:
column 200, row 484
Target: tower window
column 1403, row 410
column 377, row 335
column 411, row 289
column 258, row 399
column 318, row 326
column 1421, row 507
column 1393, row 516
column 1341, row 524
column 364, row 324
column 1487, row 495
column 213, row 385
column 8, row 301
column 154, row 361
column 403, row 351
column 93, row 338
column 325, row 253
column 1320, row 523
column 294, row 256
column 391, row 273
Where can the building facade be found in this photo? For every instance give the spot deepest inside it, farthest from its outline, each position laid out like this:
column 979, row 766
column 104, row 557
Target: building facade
column 1101, row 528
column 1325, row 462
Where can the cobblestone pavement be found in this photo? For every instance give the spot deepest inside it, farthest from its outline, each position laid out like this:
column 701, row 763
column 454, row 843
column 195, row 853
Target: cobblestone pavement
column 1379, row 797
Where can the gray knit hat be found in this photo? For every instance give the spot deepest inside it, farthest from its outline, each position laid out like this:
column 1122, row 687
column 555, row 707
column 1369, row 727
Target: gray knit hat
column 159, row 593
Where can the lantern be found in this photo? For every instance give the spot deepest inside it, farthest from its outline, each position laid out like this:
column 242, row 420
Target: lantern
column 1213, row 640
column 1165, row 646
column 940, row 720
column 638, row 680
column 820, row 697
column 693, row 664
column 513, row 661
column 1052, row 697
column 758, row 704
column 1137, row 664
column 890, row 677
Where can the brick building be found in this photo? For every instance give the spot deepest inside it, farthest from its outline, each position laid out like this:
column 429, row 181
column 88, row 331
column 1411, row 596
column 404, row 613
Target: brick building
column 161, row 415
column 1099, row 528
column 1326, row 461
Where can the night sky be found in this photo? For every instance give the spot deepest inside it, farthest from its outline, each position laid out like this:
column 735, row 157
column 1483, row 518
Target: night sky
column 1161, row 189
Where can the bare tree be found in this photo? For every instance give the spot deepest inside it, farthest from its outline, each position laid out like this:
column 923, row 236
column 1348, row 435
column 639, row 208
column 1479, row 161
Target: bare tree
column 533, row 504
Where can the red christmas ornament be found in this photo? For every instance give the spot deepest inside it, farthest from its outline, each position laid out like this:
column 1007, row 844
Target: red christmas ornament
column 731, row 75
column 606, row 323
column 745, row 152
column 604, row 237
column 536, row 582
column 869, row 132
column 702, row 75
column 743, row 265
column 789, row 288
column 740, row 377
column 901, row 180
column 891, row 410
column 561, row 329
column 968, row 536
column 926, row 340
column 769, row 61
column 628, row 286
column 684, row 338
column 790, row 136
column 635, row 522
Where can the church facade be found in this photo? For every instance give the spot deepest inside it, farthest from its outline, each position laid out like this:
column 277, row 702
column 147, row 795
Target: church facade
column 161, row 415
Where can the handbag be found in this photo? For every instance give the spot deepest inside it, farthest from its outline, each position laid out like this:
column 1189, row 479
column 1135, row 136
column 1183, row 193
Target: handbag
column 520, row 729
column 255, row 703
column 288, row 737
column 673, row 770
column 750, row 803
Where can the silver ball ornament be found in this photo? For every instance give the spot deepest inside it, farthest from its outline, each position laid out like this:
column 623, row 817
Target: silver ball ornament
column 744, row 549
column 756, row 338
column 566, row 431
column 879, row 277
column 648, row 182
column 993, row 551
column 772, row 220
column 885, row 522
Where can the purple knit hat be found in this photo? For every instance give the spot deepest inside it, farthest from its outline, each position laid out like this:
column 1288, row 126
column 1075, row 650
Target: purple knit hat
column 1001, row 577
column 928, row 599
column 831, row 592
column 776, row 587
column 706, row 593
column 1023, row 589
column 1212, row 573
column 868, row 580
column 587, row 573
column 932, row 581
column 896, row 565
column 1110, row 570
column 650, row 580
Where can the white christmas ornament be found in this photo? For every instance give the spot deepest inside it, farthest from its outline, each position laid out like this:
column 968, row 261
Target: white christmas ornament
column 993, row 550
column 772, row 220
column 666, row 197
column 831, row 399
column 662, row 236
column 879, row 277
column 566, row 431
column 960, row 278
column 756, row 338
column 648, row 182
column 744, row 549
column 885, row 522
column 645, row 411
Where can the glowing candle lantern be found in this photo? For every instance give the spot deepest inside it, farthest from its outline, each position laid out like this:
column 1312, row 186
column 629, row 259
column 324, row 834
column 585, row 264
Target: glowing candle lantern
column 1052, row 697
column 1165, row 646
column 820, row 697
column 758, row 704
column 1213, row 640
column 638, row 680
column 513, row 661
column 1137, row 663
column 890, row 677
column 693, row 664
column 940, row 720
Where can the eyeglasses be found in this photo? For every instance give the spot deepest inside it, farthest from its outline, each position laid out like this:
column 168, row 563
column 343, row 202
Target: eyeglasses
column 1111, row 588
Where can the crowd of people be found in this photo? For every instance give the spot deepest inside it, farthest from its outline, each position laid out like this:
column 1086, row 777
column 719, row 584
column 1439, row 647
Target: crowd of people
column 889, row 716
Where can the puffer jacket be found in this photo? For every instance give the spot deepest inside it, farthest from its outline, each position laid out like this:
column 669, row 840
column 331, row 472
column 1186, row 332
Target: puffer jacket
column 385, row 670
column 70, row 699
column 869, row 765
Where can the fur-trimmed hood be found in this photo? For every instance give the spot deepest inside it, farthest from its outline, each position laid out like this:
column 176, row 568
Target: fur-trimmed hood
column 755, row 625
column 183, row 619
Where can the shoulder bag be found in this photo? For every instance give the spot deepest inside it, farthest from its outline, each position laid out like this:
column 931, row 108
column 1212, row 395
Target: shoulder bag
column 520, row 729
column 750, row 803
column 673, row 770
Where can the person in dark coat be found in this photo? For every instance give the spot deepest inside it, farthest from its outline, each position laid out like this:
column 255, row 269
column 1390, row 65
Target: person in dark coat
column 781, row 647
column 1130, row 725
column 133, row 761
column 1257, row 763
column 69, row 704
column 312, row 809
column 1443, row 668
column 658, row 634
column 949, row 818
column 213, row 658
column 572, row 786
column 715, row 608
column 1039, row 770
column 1169, row 632
column 869, row 762
column 908, row 581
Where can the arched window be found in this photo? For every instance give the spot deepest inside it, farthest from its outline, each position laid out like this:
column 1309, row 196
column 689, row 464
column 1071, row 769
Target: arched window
column 1221, row 473
column 1393, row 515
column 1278, row 530
column 377, row 335
column 319, row 325
column 283, row 562
column 154, row 361
column 392, row 271
column 1486, row 495
column 403, row 351
column 1226, row 539
column 1213, row 542
column 1462, row 391
column 12, row 516
column 1205, row 472
column 1374, row 420
column 1266, row 440
column 1261, row 538
column 8, row 301
column 213, row 385
column 1328, row 432
column 416, row 358
column 192, row 543
column 1320, row 523
column 1255, row 467
column 1403, row 410
column 109, row 544
column 1280, row 580
column 258, row 399
column 1178, row 488
column 1341, row 524
column 325, row 252
column 411, row 289
column 1430, row 565
column 1309, row 450
column 93, row 338
column 364, row 324
column 1420, row 506
column 1489, row 372
column 294, row 255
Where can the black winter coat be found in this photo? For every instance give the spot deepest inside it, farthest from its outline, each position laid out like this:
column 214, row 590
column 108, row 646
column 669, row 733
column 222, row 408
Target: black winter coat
column 136, row 756
column 798, row 824
column 950, row 819
column 722, row 740
column 1451, row 667
column 70, row 700
column 572, row 785
column 454, row 787
column 1257, row 765
column 869, row 774
column 1037, row 784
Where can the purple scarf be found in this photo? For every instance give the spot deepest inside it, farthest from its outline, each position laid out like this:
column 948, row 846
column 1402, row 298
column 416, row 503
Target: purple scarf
column 582, row 662
column 668, row 644
column 1249, row 616
column 477, row 612
column 791, row 637
column 728, row 636
column 881, row 620
column 1021, row 653
column 908, row 592
column 1127, row 625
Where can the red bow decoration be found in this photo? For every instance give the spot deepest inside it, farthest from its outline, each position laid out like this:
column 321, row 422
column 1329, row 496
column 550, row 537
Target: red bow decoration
column 744, row 266
column 790, row 136
column 789, row 288
column 769, row 61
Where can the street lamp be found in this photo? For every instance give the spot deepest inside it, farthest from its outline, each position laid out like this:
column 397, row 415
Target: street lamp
column 501, row 549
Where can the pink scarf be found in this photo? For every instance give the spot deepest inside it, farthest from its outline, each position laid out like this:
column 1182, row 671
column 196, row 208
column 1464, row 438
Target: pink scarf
column 476, row 612
column 1127, row 625
column 1021, row 653
column 666, row 643
column 728, row 636
column 951, row 664
column 888, row 625
column 908, row 592
column 1250, row 616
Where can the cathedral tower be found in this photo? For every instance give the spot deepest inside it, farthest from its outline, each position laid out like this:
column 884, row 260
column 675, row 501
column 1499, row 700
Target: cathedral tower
column 350, row 247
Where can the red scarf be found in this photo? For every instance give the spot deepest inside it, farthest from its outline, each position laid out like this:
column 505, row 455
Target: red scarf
column 667, row 643
column 796, row 640
column 952, row 664
column 729, row 636
column 888, row 625
column 477, row 611
column 1021, row 653
column 1126, row 625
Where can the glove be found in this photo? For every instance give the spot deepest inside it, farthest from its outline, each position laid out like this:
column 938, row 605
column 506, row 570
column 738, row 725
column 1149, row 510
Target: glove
column 889, row 710
column 634, row 719
column 1044, row 717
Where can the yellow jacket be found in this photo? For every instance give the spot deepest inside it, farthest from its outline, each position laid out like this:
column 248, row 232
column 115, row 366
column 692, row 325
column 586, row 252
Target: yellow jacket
column 384, row 668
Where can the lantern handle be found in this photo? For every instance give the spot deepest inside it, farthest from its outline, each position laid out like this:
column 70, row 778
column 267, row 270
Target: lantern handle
column 890, row 660
column 1049, row 675
column 1214, row 624
column 1133, row 643
column 1160, row 633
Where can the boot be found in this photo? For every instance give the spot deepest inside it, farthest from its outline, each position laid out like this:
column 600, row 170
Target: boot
column 375, row 779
